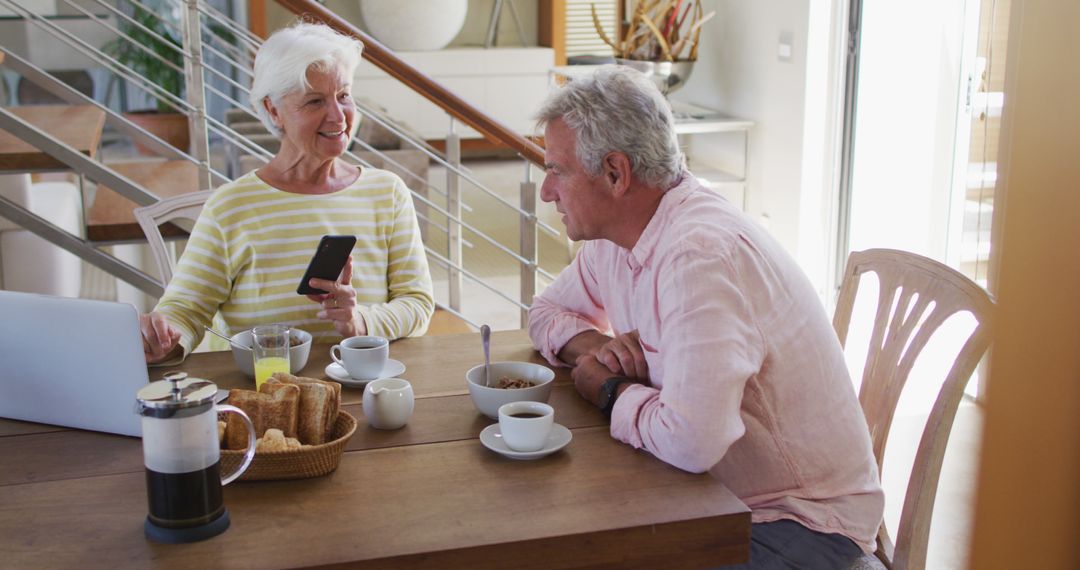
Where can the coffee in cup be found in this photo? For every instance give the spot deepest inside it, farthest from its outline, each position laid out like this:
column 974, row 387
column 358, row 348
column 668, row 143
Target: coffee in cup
column 363, row 357
column 525, row 426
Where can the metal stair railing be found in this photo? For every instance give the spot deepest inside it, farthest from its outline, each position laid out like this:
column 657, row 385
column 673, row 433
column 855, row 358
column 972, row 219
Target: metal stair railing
column 94, row 170
column 235, row 55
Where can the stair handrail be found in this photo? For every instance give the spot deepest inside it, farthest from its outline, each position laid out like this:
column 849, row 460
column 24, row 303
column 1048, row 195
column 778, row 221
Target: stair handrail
column 381, row 56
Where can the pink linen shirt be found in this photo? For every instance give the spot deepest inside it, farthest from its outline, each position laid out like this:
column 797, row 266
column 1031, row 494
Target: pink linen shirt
column 747, row 378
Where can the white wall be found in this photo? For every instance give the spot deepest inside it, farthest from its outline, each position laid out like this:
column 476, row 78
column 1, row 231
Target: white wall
column 739, row 73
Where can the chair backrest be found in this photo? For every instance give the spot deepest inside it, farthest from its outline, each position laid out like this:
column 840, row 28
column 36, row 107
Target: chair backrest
column 916, row 295
column 150, row 218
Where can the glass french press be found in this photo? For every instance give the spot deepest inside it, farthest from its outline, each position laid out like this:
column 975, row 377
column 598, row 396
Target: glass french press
column 181, row 452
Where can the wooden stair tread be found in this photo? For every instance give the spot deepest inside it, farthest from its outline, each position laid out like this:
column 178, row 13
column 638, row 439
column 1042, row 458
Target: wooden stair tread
column 110, row 218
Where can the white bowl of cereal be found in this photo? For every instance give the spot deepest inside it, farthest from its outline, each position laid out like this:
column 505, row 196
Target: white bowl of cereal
column 510, row 382
column 299, row 349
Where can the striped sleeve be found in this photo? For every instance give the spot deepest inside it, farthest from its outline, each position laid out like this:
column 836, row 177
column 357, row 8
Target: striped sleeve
column 200, row 283
column 411, row 302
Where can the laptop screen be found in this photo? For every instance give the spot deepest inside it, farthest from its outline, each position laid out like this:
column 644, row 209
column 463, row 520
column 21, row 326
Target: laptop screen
column 70, row 362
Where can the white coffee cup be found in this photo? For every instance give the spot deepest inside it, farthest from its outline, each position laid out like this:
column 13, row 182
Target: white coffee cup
column 388, row 403
column 525, row 425
column 363, row 357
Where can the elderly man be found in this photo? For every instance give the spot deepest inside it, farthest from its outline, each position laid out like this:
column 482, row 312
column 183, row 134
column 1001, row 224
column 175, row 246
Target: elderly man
column 693, row 330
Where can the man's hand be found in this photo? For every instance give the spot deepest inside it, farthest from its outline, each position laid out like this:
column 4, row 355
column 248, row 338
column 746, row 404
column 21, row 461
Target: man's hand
column 589, row 374
column 623, row 355
column 339, row 304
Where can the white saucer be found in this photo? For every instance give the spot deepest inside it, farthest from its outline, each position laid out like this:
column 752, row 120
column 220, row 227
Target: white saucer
column 492, row 439
column 337, row 373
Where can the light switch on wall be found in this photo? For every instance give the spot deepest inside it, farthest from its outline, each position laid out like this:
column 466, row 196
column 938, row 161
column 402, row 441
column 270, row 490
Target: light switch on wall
column 784, row 48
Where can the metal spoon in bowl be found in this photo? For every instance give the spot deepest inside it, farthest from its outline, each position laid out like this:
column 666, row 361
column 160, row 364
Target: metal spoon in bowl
column 215, row 333
column 485, row 337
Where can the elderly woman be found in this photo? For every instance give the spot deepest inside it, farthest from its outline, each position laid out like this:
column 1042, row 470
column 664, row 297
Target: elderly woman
column 255, row 236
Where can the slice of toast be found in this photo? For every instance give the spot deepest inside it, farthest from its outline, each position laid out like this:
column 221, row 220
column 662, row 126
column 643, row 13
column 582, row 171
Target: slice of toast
column 319, row 405
column 276, row 408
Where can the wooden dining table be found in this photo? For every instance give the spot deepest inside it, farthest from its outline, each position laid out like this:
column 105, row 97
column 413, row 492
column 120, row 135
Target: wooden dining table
column 428, row 495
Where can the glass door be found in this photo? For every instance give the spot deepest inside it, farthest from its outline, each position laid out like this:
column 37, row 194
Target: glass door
column 903, row 139
column 977, row 168
column 922, row 116
column 925, row 82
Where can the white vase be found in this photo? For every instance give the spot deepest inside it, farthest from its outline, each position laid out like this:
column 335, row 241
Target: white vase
column 414, row 25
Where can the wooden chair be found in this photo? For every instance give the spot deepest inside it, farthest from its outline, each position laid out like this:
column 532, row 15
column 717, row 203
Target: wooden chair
column 916, row 295
column 150, row 218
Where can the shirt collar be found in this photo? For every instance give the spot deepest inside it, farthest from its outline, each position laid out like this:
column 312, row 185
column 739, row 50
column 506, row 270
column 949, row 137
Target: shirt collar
column 654, row 231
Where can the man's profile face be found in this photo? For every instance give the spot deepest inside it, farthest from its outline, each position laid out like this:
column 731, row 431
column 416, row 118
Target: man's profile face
column 581, row 199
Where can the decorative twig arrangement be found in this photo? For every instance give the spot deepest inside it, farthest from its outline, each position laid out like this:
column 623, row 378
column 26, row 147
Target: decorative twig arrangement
column 658, row 30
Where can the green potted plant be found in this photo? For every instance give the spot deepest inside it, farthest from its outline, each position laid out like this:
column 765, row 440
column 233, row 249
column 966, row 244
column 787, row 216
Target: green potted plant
column 163, row 121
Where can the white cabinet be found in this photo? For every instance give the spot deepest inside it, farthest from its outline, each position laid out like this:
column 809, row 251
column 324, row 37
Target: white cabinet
column 507, row 83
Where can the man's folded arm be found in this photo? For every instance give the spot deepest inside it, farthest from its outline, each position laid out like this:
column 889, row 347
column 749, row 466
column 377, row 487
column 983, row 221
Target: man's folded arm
column 568, row 315
column 711, row 348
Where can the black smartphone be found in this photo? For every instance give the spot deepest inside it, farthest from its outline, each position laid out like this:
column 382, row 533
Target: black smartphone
column 327, row 263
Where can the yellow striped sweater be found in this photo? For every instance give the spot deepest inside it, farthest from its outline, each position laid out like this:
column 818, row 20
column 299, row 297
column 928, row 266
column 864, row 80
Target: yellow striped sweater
column 252, row 243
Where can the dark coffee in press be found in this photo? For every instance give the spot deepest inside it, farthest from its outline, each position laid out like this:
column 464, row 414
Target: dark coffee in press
column 180, row 500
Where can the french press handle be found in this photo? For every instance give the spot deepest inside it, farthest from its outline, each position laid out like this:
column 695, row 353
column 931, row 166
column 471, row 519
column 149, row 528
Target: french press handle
column 249, row 454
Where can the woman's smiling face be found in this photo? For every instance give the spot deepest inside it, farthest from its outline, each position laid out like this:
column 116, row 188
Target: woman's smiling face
column 318, row 121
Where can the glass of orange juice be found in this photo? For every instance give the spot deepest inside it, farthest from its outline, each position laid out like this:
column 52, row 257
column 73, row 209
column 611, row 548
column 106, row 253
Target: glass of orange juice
column 271, row 351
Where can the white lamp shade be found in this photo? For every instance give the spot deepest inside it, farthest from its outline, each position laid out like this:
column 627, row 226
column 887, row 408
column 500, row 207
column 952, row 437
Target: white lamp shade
column 414, row 25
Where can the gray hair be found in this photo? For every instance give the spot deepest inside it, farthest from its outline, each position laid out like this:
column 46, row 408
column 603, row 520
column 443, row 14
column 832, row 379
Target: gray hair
column 619, row 109
column 284, row 59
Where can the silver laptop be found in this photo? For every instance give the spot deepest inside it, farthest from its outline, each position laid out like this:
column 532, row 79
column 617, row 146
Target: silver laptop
column 70, row 362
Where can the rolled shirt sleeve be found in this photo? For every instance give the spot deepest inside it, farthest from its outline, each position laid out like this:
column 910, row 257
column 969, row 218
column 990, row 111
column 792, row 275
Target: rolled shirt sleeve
column 567, row 308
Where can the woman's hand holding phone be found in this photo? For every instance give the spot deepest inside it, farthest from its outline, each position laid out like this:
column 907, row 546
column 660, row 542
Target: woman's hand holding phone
column 339, row 304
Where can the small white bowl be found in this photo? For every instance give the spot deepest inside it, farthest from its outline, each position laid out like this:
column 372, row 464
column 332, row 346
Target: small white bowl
column 488, row 400
column 245, row 361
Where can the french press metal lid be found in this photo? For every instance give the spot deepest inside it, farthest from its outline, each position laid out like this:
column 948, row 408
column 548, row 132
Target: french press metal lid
column 176, row 396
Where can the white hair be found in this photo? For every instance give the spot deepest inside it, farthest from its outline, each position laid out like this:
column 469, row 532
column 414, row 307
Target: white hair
column 282, row 63
column 618, row 109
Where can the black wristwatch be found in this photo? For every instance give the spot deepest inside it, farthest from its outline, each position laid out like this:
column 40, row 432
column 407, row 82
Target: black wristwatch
column 609, row 392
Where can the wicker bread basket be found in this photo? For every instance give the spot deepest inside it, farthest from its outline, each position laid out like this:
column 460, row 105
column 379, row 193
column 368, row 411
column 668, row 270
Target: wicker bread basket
column 308, row 461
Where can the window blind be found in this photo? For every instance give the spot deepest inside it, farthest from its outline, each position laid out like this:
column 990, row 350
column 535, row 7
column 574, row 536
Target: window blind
column 581, row 36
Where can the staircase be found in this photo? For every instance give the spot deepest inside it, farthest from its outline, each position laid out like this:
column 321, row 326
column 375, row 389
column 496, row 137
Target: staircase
column 227, row 141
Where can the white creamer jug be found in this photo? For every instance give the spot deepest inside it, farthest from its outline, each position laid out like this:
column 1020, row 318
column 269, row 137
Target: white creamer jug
column 388, row 403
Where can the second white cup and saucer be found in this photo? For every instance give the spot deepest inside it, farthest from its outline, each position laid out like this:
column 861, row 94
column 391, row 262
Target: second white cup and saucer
column 526, row 430
column 360, row 359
